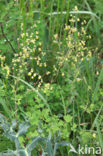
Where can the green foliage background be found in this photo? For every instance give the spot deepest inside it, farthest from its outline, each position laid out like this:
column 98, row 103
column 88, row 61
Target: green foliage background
column 65, row 97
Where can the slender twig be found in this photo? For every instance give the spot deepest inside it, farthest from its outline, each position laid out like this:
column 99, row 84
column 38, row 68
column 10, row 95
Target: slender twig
column 1, row 25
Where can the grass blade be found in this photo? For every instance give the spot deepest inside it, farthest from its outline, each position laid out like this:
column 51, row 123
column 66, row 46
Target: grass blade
column 99, row 134
column 100, row 78
column 6, row 109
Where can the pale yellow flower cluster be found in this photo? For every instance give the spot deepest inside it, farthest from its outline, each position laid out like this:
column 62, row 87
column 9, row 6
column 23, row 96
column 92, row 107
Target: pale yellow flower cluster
column 76, row 50
column 30, row 61
column 4, row 66
column 7, row 71
column 47, row 88
column 2, row 60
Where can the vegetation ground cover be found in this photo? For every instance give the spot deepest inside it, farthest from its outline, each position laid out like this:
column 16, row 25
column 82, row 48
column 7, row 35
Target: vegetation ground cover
column 51, row 77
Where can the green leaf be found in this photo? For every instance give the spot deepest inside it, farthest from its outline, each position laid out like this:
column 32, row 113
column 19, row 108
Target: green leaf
column 68, row 118
column 49, row 146
column 23, row 128
column 33, row 144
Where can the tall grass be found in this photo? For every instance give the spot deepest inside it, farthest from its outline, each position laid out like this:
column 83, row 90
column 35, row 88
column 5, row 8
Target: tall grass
column 51, row 19
column 95, row 94
column 56, row 18
column 31, row 10
column 22, row 5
